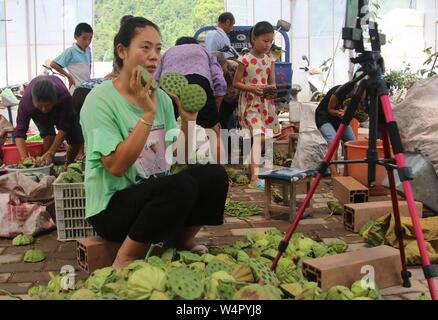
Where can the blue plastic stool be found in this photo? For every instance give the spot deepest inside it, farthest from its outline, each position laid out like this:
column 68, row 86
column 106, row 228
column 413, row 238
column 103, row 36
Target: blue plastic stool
column 288, row 179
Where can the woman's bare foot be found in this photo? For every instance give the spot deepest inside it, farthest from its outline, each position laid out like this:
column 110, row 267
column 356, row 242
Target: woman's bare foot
column 121, row 262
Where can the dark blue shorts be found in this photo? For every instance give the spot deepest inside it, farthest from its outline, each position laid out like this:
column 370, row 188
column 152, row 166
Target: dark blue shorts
column 74, row 134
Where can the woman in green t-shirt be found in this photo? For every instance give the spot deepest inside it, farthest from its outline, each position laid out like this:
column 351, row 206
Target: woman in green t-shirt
column 127, row 127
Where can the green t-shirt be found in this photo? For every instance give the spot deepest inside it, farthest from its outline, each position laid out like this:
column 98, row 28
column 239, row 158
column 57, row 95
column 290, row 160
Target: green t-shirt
column 107, row 120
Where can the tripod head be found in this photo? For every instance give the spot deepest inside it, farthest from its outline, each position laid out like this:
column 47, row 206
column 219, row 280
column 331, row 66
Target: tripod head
column 360, row 32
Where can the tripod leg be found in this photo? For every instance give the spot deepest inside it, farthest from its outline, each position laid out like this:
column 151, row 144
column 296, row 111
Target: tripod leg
column 405, row 175
column 399, row 231
column 323, row 167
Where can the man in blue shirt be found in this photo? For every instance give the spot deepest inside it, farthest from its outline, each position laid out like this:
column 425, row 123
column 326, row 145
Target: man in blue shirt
column 217, row 39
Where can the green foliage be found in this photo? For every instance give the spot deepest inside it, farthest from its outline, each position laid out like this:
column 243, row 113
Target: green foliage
column 175, row 18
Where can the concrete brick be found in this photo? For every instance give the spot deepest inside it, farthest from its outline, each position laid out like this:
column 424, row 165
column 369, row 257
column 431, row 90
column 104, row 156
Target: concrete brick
column 56, row 265
column 5, row 242
column 21, row 296
column 358, row 214
column 232, row 220
column 417, row 273
column 313, row 221
column 349, row 190
column 243, row 232
column 21, row 267
column 417, row 286
column 4, row 277
column 258, row 218
column 1, row 250
column 414, row 295
column 39, row 276
column 328, row 240
column 16, row 250
column 424, row 281
column 357, row 246
column 47, row 244
column 346, row 268
column 393, row 297
column 253, row 191
column 16, row 288
column 10, row 258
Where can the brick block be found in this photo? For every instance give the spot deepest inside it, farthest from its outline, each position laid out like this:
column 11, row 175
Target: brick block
column 357, row 214
column 346, row 268
column 349, row 190
column 94, row 253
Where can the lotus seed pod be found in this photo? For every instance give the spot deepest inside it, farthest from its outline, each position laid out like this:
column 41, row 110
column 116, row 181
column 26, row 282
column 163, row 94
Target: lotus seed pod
column 189, row 257
column 358, row 289
column 243, row 273
column 197, row 266
column 158, row 295
column 83, row 294
column 262, row 273
column 338, row 245
column 258, row 292
column 22, row 240
column 173, row 82
column 339, row 293
column 168, row 255
column 145, row 77
column 293, row 290
column 186, row 283
column 34, row 255
column 193, row 98
column 217, row 265
column 226, row 289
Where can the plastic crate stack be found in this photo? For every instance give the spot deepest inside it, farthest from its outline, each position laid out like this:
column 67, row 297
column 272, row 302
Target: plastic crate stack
column 70, row 210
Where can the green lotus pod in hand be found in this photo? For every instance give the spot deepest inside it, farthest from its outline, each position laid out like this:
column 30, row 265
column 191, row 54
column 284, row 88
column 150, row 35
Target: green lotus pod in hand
column 173, row 83
column 193, row 98
column 146, row 76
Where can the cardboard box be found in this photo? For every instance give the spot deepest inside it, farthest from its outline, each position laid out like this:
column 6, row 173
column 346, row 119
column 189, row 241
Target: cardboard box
column 383, row 263
column 357, row 214
column 349, row 190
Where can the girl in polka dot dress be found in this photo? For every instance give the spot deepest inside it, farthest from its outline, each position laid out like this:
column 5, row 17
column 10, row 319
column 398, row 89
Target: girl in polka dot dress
column 256, row 112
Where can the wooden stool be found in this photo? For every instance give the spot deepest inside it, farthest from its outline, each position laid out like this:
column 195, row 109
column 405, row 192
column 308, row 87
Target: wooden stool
column 288, row 185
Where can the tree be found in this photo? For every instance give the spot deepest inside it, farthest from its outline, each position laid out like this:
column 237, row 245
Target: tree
column 175, row 18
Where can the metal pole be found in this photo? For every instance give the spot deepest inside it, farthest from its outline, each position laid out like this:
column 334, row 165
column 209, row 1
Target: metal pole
column 29, row 60
column 6, row 45
column 35, row 36
column 309, row 27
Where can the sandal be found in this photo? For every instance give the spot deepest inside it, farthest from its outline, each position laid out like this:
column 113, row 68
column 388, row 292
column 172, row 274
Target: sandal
column 260, row 185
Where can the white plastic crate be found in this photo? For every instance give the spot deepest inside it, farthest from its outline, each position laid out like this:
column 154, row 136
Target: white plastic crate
column 70, row 210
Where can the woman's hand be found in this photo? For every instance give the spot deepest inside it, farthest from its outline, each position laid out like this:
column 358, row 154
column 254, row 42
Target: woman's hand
column 341, row 112
column 145, row 96
column 257, row 90
column 71, row 81
column 48, row 158
column 187, row 116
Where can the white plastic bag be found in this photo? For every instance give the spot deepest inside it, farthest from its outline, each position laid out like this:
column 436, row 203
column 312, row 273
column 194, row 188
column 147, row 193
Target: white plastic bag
column 22, row 218
column 312, row 147
column 417, row 119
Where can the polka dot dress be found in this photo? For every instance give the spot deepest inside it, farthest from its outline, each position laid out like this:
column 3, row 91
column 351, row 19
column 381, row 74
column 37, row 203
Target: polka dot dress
column 256, row 112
